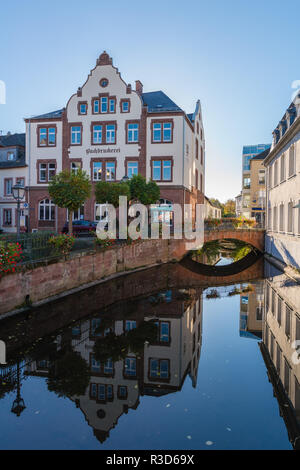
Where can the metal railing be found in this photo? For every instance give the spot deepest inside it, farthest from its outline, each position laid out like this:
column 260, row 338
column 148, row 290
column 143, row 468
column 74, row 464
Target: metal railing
column 35, row 246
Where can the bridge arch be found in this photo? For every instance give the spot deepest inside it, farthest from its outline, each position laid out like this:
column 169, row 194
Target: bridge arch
column 256, row 237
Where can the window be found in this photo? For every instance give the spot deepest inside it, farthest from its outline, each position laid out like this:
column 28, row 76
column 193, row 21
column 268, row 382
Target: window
column 20, row 181
column 132, row 169
column 282, row 167
column 122, row 392
column 46, row 171
column 290, row 217
column 112, row 105
column 125, row 106
column 51, row 171
column 261, row 177
column 8, row 183
column 270, row 218
column 196, row 179
column 78, row 214
column 288, row 312
column 76, row 135
column 101, row 212
column 104, row 101
column 46, row 136
column 103, row 82
column 197, row 149
column 97, row 171
column 275, row 219
column 273, row 302
column 46, row 210
column 159, row 369
column 96, row 106
column 110, row 134
column 43, row 172
column 270, row 176
column 75, row 166
column 97, row 134
column 95, row 365
column 130, row 325
column 202, row 154
column 278, row 359
column 102, row 368
column 10, row 156
column 291, row 160
column 287, row 373
column 276, row 173
column 82, row 108
column 162, row 170
column 110, row 173
column 279, row 310
column 7, row 217
column 132, row 133
column 246, row 184
column 162, row 132
column 299, row 217
column 281, row 218
column 163, row 333
column 130, row 367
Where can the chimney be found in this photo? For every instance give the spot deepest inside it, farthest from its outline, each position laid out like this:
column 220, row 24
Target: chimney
column 138, row 87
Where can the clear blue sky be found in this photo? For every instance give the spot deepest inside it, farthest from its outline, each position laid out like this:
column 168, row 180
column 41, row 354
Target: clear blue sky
column 239, row 57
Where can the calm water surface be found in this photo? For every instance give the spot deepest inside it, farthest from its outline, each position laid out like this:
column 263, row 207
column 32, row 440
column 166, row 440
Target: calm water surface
column 199, row 381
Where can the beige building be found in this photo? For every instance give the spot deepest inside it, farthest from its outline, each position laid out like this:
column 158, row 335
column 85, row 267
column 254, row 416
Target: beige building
column 111, row 130
column 251, row 311
column 211, row 211
column 281, row 353
column 258, row 187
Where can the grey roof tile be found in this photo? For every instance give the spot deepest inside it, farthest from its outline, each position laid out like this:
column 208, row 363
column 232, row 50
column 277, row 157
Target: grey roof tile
column 158, row 101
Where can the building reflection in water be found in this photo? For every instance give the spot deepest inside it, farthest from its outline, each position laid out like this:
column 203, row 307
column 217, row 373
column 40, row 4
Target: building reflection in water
column 251, row 311
column 280, row 330
column 159, row 368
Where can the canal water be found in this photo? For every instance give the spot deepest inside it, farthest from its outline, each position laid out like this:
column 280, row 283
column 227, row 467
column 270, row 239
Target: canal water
column 186, row 366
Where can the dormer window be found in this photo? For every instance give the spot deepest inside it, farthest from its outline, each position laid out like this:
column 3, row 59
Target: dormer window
column 10, row 156
column 82, row 108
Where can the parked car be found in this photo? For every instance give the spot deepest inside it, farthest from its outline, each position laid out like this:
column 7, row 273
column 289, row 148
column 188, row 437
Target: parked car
column 80, row 227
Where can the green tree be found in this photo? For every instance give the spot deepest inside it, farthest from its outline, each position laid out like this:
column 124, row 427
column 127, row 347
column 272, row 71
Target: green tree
column 140, row 190
column 69, row 375
column 108, row 193
column 229, row 208
column 70, row 190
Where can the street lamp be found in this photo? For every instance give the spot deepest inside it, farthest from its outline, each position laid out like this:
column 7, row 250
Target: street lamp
column 18, row 404
column 18, row 191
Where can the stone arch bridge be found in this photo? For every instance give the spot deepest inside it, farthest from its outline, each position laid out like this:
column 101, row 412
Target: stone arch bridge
column 252, row 236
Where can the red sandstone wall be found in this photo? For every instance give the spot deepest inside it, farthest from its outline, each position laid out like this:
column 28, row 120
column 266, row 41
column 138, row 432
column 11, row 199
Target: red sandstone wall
column 45, row 281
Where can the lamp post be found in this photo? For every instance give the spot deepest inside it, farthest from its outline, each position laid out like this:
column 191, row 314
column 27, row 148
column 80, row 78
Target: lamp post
column 18, row 191
column 18, row 404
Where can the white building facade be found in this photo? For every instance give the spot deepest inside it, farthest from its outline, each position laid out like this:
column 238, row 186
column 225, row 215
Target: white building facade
column 283, row 189
column 111, row 131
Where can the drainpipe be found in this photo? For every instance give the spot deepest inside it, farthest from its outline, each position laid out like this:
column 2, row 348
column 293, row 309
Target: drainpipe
column 183, row 156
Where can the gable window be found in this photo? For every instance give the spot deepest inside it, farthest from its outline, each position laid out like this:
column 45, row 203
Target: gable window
column 7, row 217
column 96, row 106
column 132, row 169
column 76, row 135
column 162, row 131
column 110, row 134
column 161, row 170
column 132, row 133
column 130, row 367
column 104, row 101
column 47, row 136
column 97, row 134
column 10, row 156
column 97, row 171
column 8, row 183
column 82, row 108
column 124, row 106
column 112, row 105
column 46, row 210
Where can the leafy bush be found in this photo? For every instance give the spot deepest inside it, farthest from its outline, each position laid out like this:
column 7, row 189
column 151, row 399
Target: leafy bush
column 62, row 243
column 10, row 254
column 104, row 243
